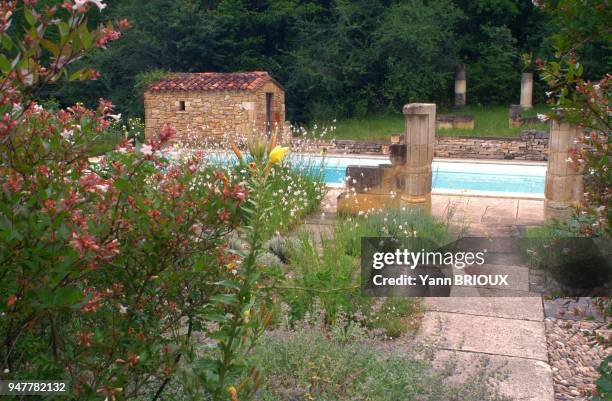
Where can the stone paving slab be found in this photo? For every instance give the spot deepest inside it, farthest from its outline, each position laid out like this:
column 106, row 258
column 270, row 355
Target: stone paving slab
column 517, row 276
column 530, row 210
column 525, row 308
column 497, row 293
column 521, row 379
column 485, row 334
column 505, row 258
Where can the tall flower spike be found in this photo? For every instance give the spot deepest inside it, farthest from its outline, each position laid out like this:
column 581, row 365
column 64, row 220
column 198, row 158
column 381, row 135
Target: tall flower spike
column 272, row 143
column 257, row 146
column 236, row 150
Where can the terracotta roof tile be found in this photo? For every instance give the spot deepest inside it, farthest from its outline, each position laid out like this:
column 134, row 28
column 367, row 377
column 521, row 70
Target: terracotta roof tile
column 209, row 81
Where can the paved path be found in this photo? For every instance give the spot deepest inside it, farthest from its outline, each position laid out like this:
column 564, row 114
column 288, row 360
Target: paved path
column 504, row 332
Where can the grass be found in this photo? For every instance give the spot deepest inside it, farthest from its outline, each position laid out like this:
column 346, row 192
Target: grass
column 312, row 364
column 489, row 122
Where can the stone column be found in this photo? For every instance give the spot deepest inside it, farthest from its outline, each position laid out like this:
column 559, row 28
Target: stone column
column 564, row 184
column 414, row 182
column 514, row 115
column 460, row 86
column 526, row 90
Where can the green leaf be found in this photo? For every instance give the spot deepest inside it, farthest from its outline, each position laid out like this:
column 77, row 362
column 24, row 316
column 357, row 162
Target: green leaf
column 64, row 30
column 215, row 317
column 52, row 47
column 86, row 36
column 30, row 16
column 122, row 184
column 5, row 64
column 229, row 284
column 7, row 42
column 227, row 299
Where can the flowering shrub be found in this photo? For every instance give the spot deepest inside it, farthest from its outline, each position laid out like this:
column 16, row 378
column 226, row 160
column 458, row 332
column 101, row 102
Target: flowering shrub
column 109, row 267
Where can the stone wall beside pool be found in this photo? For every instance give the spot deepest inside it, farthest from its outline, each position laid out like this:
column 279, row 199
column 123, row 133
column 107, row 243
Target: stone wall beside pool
column 531, row 145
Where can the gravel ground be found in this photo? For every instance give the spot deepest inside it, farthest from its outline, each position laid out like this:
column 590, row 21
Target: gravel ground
column 574, row 354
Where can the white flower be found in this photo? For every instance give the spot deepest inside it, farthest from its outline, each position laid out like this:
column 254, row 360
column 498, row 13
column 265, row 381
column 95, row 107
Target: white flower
column 115, row 117
column 122, row 309
column 146, row 150
column 548, row 94
column 81, row 3
column 67, row 134
column 542, row 117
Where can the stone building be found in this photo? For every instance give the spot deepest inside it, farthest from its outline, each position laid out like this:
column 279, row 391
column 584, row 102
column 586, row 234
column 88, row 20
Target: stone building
column 209, row 105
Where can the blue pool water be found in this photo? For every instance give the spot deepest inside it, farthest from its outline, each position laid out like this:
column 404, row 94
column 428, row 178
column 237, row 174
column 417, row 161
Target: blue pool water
column 448, row 176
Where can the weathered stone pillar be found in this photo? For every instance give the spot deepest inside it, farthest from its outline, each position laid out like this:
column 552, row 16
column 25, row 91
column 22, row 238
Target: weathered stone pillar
column 514, row 115
column 414, row 183
column 564, row 184
column 460, row 86
column 527, row 90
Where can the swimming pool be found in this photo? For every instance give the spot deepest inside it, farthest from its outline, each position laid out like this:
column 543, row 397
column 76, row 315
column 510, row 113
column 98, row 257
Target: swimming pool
column 475, row 177
column 494, row 178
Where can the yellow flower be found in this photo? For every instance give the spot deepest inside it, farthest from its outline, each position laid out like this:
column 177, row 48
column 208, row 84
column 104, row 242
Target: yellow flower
column 233, row 393
column 277, row 154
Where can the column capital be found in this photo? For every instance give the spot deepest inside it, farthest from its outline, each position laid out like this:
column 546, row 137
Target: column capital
column 419, row 109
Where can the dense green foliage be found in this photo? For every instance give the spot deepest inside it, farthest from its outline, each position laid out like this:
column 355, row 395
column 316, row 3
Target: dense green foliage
column 604, row 383
column 335, row 58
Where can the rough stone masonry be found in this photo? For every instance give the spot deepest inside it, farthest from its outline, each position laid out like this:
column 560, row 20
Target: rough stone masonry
column 207, row 106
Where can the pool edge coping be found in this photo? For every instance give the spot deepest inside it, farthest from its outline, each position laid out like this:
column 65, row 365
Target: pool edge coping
column 470, row 193
column 443, row 159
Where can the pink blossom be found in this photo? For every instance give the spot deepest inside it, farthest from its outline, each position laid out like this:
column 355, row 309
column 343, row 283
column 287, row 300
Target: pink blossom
column 83, row 243
column 146, row 150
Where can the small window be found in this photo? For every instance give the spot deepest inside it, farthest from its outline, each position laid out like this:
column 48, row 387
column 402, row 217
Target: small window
column 181, row 105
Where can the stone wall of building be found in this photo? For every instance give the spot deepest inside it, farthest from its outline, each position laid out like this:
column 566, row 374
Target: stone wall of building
column 531, row 145
column 277, row 109
column 209, row 115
